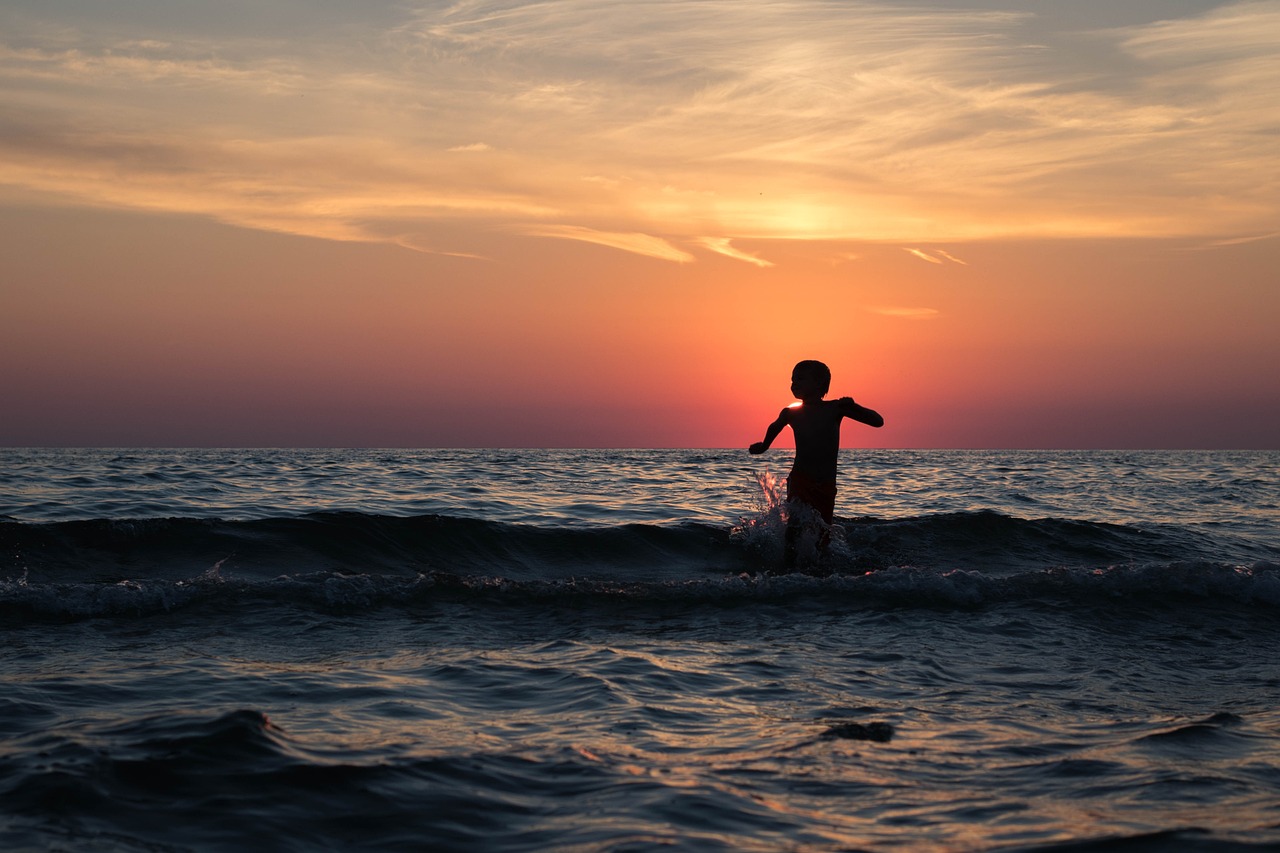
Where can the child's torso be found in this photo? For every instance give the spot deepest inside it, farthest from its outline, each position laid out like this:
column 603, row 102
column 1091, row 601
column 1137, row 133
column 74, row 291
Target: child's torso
column 816, row 427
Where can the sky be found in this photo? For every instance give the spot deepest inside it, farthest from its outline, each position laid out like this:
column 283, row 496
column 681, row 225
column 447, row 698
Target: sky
column 609, row 223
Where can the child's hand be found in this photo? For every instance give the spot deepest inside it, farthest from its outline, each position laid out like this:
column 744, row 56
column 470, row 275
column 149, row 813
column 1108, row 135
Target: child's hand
column 758, row 448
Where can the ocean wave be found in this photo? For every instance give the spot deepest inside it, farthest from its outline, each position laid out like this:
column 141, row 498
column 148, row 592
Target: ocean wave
column 238, row 781
column 102, row 787
column 175, row 548
column 87, row 568
column 1135, row 589
column 114, row 549
column 230, row 780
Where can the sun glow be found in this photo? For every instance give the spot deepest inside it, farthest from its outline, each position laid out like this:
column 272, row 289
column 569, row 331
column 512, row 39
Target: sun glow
column 631, row 220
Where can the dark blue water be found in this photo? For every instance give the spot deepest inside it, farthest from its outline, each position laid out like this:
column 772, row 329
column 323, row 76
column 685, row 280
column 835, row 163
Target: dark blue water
column 587, row 650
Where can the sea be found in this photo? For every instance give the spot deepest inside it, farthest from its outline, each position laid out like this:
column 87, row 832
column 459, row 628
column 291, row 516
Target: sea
column 600, row 650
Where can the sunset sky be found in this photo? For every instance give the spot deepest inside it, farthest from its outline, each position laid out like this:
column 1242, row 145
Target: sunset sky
column 593, row 223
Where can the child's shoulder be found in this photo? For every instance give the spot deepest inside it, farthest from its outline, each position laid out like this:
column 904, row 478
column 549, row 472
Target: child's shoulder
column 837, row 409
column 820, row 410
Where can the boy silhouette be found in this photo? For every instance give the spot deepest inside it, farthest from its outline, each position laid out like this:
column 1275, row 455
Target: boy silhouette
column 815, row 423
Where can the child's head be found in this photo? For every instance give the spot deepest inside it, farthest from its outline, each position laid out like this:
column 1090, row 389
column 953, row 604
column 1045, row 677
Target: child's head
column 812, row 377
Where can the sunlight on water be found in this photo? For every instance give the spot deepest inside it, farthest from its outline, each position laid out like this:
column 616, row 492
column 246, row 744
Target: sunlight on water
column 522, row 650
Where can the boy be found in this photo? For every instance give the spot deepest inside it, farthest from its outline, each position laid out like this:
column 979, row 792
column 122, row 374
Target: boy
column 815, row 423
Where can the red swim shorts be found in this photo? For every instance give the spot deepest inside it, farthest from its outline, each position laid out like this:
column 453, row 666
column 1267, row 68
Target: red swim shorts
column 819, row 495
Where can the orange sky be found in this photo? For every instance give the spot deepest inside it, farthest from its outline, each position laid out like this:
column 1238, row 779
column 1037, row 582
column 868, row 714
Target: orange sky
column 588, row 224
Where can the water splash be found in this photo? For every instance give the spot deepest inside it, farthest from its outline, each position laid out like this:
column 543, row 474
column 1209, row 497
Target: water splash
column 763, row 533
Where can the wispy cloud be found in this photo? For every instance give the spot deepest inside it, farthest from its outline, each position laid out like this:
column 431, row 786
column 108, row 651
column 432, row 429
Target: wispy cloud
column 333, row 188
column 640, row 244
column 1238, row 241
column 935, row 256
column 922, row 255
column 723, row 246
column 418, row 244
column 792, row 119
column 907, row 313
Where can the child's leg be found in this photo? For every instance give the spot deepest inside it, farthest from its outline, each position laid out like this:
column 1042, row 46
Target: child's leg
column 808, row 534
column 794, row 529
column 812, row 509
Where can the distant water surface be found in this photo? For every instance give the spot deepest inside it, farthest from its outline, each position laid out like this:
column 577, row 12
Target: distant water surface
column 588, row 650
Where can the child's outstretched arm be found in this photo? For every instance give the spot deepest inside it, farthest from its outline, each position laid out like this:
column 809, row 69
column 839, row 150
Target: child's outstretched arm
column 861, row 414
column 770, row 433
